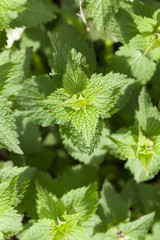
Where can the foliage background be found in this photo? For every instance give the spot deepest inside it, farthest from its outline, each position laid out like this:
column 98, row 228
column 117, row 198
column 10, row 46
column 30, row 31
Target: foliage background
column 119, row 191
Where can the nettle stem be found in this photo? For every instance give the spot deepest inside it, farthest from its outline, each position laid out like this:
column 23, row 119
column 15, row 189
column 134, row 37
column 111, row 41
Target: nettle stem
column 81, row 14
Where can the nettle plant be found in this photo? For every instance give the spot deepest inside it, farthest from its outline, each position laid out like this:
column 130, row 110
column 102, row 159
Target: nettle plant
column 79, row 119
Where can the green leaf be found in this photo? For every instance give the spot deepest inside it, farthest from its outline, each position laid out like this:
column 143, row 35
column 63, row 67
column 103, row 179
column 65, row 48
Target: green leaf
column 74, row 80
column 126, row 30
column 85, row 121
column 138, row 228
column 49, row 206
column 69, row 131
column 145, row 150
column 139, row 171
column 102, row 12
column 148, row 116
column 9, row 10
column 38, row 231
column 20, row 60
column 128, row 60
column 68, row 228
column 11, row 223
column 24, row 175
column 145, row 25
column 58, row 61
column 82, row 200
column 13, row 5
column 36, row 12
column 8, row 135
column 112, row 207
column 7, row 195
column 155, row 232
column 29, row 134
column 112, row 85
column 33, row 91
column 95, row 158
column 133, row 230
column 53, row 105
column 153, row 44
column 67, row 35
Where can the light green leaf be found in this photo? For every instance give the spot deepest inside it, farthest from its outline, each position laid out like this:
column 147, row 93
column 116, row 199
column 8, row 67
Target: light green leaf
column 135, row 230
column 76, row 102
column 8, row 135
column 33, row 91
column 36, row 12
column 153, row 44
column 145, row 151
column 20, row 63
column 102, row 12
column 7, row 195
column 148, row 116
column 155, row 232
column 49, row 206
column 10, row 223
column 138, row 228
column 128, row 60
column 85, row 121
column 58, row 60
column 38, row 231
column 74, row 80
column 112, row 85
column 82, row 200
column 145, row 25
column 23, row 175
column 68, row 228
column 53, row 106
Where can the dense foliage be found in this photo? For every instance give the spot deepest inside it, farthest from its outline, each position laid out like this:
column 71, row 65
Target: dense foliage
column 79, row 119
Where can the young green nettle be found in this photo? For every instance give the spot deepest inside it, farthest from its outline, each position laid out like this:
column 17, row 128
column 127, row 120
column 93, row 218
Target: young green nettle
column 80, row 104
column 140, row 144
column 62, row 218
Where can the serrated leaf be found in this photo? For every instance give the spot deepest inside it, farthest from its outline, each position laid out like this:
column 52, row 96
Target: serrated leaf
column 145, row 25
column 129, row 60
column 24, row 175
column 49, row 206
column 35, row 13
column 38, row 231
column 112, row 207
column 82, row 200
column 7, row 195
column 12, row 5
column 74, row 80
column 138, row 228
column 112, row 85
column 8, row 135
column 102, row 12
column 10, row 223
column 53, row 105
column 148, row 116
column 133, row 230
column 20, row 63
column 69, row 131
column 67, row 35
column 145, row 151
column 153, row 44
column 85, row 121
column 58, row 60
column 68, row 228
column 33, row 91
